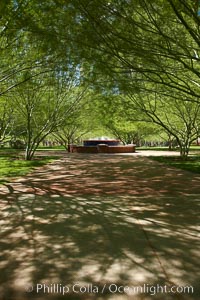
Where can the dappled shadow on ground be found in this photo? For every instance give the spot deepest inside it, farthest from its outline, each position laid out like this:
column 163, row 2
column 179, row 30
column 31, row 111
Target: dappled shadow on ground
column 104, row 175
column 108, row 223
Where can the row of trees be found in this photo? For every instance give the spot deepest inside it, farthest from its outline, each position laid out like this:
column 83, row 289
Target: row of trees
column 40, row 91
column 150, row 49
column 135, row 61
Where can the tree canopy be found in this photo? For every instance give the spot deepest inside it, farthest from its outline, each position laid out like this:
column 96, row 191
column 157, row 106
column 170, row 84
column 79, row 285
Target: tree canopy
column 144, row 51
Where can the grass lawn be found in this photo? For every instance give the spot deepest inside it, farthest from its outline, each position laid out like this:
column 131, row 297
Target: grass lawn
column 12, row 166
column 153, row 148
column 191, row 164
column 53, row 148
column 192, row 148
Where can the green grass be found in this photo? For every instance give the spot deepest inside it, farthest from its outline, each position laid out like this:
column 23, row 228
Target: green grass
column 51, row 148
column 153, row 148
column 192, row 163
column 13, row 167
column 192, row 148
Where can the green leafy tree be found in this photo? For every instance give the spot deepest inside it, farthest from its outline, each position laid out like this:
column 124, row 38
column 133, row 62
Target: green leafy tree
column 129, row 47
column 178, row 118
column 149, row 41
column 78, row 125
column 42, row 105
column 6, row 120
column 120, row 120
column 18, row 50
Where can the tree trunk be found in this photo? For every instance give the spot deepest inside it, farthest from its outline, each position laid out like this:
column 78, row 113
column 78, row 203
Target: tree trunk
column 28, row 154
column 68, row 145
column 184, row 150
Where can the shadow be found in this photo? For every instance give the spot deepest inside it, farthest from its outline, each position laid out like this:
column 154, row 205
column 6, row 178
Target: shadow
column 85, row 225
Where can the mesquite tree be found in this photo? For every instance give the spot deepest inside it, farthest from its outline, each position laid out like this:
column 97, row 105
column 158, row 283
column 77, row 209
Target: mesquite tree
column 42, row 106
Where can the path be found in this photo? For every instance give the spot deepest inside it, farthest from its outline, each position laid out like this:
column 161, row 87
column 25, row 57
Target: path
column 100, row 220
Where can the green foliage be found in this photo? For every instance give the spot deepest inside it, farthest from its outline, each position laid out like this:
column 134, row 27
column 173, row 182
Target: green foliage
column 117, row 115
column 78, row 124
column 145, row 50
column 42, row 105
column 178, row 117
column 6, row 119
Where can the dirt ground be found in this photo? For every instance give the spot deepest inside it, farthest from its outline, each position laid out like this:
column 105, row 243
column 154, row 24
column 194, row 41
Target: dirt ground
column 101, row 227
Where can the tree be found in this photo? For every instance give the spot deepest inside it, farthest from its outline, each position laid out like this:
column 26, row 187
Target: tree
column 179, row 118
column 42, row 105
column 152, row 41
column 150, row 49
column 146, row 47
column 77, row 125
column 118, row 118
column 19, row 56
column 6, row 120
column 18, row 51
